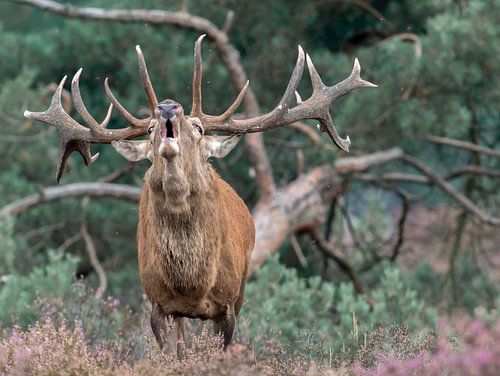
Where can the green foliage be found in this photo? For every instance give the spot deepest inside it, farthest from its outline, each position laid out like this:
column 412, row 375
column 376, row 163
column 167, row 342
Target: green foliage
column 10, row 245
column 18, row 293
column 278, row 302
column 102, row 319
column 475, row 287
column 395, row 301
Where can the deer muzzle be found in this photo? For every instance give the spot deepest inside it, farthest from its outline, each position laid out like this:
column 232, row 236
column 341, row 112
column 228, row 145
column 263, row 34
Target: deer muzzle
column 169, row 130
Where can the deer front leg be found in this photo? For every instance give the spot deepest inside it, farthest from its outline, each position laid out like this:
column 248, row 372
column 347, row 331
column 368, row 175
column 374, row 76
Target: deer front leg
column 225, row 326
column 180, row 337
column 158, row 324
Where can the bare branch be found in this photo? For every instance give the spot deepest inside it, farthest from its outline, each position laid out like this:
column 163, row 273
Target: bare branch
column 419, row 179
column 329, row 251
column 364, row 162
column 91, row 251
column 448, row 188
column 298, row 251
column 228, row 22
column 49, row 194
column 365, row 5
column 118, row 173
column 405, row 208
column 308, row 131
column 473, row 170
column 69, row 242
column 464, row 145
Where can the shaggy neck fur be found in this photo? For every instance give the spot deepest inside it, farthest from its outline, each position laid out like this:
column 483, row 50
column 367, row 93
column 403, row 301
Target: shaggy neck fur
column 179, row 184
column 184, row 214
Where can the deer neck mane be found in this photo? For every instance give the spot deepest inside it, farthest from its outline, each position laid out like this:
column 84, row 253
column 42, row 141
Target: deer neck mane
column 180, row 190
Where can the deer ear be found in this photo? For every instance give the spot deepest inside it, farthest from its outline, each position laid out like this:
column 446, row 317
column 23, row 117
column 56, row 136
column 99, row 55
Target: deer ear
column 133, row 150
column 220, row 146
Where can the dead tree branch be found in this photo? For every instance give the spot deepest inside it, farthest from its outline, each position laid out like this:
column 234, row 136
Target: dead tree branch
column 69, row 242
column 119, row 172
column 91, row 251
column 364, row 162
column 464, row 145
column 448, row 188
column 49, row 194
column 405, row 209
column 420, row 179
column 298, row 251
column 308, row 131
column 329, row 251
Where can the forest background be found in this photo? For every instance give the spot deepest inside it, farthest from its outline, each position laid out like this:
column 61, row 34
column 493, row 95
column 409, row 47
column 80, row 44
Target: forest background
column 396, row 265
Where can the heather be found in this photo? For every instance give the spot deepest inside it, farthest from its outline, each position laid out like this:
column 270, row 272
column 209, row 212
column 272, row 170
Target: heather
column 380, row 268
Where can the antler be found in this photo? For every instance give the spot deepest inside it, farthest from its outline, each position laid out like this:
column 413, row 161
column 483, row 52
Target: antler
column 196, row 109
column 76, row 137
column 316, row 107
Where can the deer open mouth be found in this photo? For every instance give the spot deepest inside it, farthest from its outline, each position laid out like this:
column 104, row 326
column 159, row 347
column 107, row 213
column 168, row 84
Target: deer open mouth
column 170, row 131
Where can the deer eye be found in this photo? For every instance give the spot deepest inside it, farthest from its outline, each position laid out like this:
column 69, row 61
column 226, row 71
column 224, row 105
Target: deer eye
column 200, row 129
column 150, row 129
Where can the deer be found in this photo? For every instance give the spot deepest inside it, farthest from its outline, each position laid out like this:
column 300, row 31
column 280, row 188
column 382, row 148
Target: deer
column 195, row 235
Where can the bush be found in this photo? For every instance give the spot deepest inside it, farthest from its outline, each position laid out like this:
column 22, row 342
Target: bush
column 475, row 352
column 19, row 293
column 279, row 303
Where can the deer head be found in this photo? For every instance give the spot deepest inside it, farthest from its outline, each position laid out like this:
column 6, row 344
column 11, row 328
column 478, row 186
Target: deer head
column 178, row 141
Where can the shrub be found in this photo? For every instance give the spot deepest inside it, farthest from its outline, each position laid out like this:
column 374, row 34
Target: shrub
column 279, row 303
column 19, row 293
column 47, row 349
column 477, row 353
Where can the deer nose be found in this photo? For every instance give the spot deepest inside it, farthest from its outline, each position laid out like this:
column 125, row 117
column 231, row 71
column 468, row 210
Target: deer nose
column 167, row 110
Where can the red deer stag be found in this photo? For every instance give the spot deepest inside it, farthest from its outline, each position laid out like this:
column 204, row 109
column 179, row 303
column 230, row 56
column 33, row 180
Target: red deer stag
column 195, row 234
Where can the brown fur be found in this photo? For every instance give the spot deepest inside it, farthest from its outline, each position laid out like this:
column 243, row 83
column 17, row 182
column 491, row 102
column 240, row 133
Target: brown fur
column 195, row 237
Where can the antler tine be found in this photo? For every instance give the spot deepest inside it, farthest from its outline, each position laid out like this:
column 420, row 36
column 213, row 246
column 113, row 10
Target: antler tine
column 352, row 82
column 196, row 108
column 55, row 105
column 148, row 87
column 73, row 136
column 325, row 119
column 79, row 105
column 293, row 83
column 316, row 81
column 230, row 110
column 270, row 120
column 105, row 122
column 327, row 126
column 132, row 120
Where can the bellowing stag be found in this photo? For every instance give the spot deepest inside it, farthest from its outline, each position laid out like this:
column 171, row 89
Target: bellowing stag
column 195, row 235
